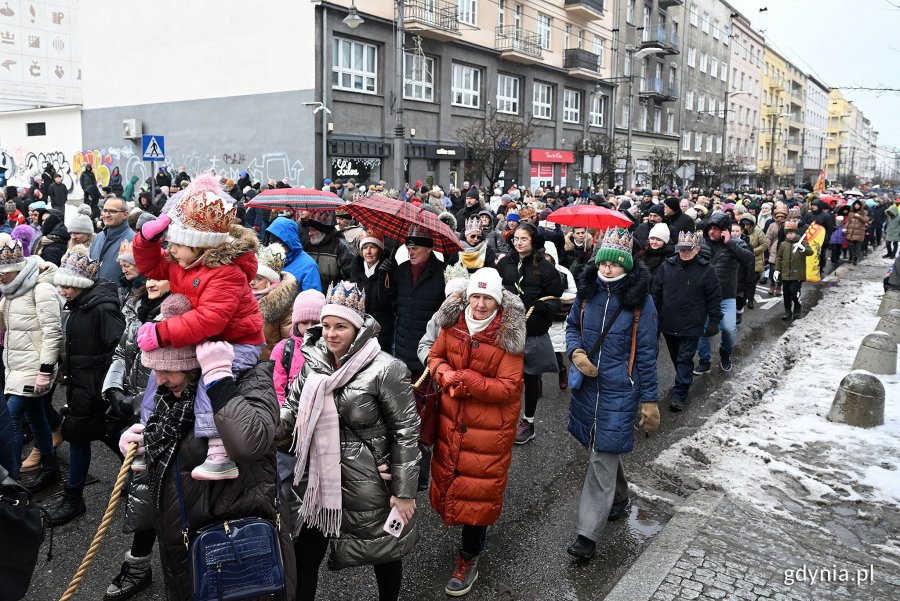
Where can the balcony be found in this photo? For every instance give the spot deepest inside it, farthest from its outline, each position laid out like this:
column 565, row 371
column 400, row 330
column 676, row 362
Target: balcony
column 581, row 64
column 661, row 38
column 588, row 10
column 435, row 19
column 776, row 84
column 659, row 90
column 517, row 45
column 664, row 4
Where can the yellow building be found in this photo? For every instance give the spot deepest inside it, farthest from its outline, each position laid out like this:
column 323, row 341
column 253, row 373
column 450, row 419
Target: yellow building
column 782, row 108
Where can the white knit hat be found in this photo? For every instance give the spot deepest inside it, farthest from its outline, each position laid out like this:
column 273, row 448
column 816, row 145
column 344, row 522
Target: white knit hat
column 661, row 231
column 80, row 222
column 487, row 281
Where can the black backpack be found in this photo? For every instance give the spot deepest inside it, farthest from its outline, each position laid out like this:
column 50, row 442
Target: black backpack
column 22, row 529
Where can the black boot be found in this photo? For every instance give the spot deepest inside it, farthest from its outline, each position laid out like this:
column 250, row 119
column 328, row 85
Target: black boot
column 48, row 476
column 618, row 509
column 582, row 548
column 69, row 508
column 798, row 311
column 787, row 315
column 751, row 303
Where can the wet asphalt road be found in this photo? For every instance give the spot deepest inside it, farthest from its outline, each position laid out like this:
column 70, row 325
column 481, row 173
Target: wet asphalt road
column 525, row 555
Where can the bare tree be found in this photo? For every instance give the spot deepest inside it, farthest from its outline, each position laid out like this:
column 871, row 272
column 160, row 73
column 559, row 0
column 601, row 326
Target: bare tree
column 490, row 143
column 662, row 166
column 610, row 149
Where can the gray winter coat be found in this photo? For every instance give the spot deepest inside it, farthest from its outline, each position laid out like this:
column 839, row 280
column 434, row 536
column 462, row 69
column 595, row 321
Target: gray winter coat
column 378, row 405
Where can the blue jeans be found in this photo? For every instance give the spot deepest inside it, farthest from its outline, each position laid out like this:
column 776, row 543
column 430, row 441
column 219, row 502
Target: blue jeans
column 728, row 328
column 32, row 408
column 8, row 458
column 80, row 459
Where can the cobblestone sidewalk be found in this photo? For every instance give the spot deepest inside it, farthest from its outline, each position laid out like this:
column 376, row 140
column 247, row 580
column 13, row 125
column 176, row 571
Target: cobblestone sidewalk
column 717, row 547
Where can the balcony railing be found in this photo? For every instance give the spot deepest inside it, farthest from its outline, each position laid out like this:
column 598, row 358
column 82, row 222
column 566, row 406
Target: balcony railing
column 587, row 9
column 655, row 86
column 670, row 3
column 515, row 39
column 577, row 58
column 661, row 37
column 439, row 14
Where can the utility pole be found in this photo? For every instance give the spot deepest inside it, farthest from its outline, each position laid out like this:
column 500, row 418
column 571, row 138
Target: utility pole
column 798, row 176
column 399, row 142
column 772, row 154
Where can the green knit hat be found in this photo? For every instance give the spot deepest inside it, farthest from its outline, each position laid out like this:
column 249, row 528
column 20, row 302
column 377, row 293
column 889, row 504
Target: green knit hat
column 616, row 248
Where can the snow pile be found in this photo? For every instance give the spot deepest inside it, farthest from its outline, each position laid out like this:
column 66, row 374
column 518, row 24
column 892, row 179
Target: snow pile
column 778, row 451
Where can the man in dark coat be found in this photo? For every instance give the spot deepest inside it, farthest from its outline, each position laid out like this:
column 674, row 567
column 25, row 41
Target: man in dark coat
column 727, row 257
column 655, row 215
column 687, row 296
column 676, row 219
column 58, row 194
column 88, row 182
column 326, row 245
column 472, row 208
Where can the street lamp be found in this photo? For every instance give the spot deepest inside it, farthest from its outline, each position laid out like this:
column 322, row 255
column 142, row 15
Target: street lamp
column 353, row 20
column 634, row 56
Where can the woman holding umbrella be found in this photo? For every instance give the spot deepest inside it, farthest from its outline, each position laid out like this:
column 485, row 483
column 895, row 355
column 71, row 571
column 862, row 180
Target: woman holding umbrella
column 529, row 275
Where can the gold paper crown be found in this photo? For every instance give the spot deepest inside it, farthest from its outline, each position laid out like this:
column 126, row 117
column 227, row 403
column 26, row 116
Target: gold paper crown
column 617, row 239
column 206, row 212
column 473, row 223
column 273, row 256
column 10, row 252
column 691, row 239
column 457, row 270
column 126, row 248
column 347, row 295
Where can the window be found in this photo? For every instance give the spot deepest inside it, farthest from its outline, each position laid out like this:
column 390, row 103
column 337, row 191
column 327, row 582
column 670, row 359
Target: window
column 629, row 11
column 642, row 119
column 698, row 142
column 507, row 94
column 580, row 39
column 691, row 57
column 645, row 34
column 726, row 34
column 686, row 140
column 689, row 100
column 723, row 71
column 704, row 59
column 353, row 66
column 36, row 129
column 571, row 106
column 704, row 24
column 715, row 29
column 542, row 101
column 670, row 123
column 627, row 67
column 501, row 13
column 543, row 31
column 418, row 77
column 709, row 142
column 657, row 121
column 517, row 18
column 598, row 107
column 626, row 115
column 733, row 77
column 693, row 20
column 466, row 86
column 466, row 11
column 598, row 50
column 713, row 67
column 701, row 103
column 567, row 36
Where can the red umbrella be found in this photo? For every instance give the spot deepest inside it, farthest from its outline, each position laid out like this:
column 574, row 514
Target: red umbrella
column 590, row 216
column 296, row 198
column 393, row 218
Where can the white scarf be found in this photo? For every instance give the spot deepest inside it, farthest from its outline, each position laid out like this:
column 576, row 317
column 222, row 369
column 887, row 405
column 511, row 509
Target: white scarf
column 317, row 441
column 370, row 270
column 476, row 325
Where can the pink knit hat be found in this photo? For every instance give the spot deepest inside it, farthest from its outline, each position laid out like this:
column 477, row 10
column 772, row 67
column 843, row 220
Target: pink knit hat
column 308, row 306
column 172, row 359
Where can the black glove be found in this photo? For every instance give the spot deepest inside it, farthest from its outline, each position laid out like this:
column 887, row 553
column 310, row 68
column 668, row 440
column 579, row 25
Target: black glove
column 120, row 406
column 711, row 330
column 388, row 265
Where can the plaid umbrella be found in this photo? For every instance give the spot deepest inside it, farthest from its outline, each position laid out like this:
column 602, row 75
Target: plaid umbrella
column 296, row 198
column 590, row 216
column 393, row 218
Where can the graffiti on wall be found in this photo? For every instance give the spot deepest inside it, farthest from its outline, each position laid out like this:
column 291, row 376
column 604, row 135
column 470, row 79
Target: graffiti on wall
column 100, row 162
column 267, row 166
column 22, row 164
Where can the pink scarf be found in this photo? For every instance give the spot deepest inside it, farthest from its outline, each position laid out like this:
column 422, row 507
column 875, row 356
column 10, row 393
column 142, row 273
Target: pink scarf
column 317, row 441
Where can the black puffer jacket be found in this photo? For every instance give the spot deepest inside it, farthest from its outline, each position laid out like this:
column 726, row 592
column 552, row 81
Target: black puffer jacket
column 378, row 300
column 680, row 223
column 93, row 329
column 54, row 240
column 727, row 259
column 246, row 414
column 536, row 284
column 685, row 294
column 653, row 257
column 415, row 304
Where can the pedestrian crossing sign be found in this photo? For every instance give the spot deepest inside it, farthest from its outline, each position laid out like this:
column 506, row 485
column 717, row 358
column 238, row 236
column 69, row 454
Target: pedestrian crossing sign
column 153, row 148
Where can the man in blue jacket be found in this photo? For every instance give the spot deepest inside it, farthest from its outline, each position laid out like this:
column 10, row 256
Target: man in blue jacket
column 105, row 246
column 299, row 264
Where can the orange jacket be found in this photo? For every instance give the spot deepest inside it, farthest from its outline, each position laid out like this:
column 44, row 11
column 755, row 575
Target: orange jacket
column 478, row 418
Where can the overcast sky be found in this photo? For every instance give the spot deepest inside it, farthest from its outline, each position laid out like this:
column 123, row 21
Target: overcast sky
column 844, row 43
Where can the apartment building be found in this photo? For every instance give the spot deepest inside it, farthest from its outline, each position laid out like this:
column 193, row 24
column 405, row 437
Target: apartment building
column 704, row 76
column 816, row 122
column 849, row 140
column 744, row 98
column 647, row 43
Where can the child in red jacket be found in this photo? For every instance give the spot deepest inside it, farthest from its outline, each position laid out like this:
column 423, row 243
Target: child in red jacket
column 211, row 262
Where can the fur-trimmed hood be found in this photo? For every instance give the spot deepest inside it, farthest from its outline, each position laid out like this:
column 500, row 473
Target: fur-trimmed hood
column 632, row 290
column 280, row 300
column 448, row 218
column 510, row 333
column 569, row 245
column 243, row 240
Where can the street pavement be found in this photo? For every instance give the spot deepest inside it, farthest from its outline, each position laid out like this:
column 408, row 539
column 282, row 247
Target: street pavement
column 525, row 555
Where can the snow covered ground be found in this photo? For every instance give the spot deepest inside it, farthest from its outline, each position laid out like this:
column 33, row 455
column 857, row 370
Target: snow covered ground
column 773, row 446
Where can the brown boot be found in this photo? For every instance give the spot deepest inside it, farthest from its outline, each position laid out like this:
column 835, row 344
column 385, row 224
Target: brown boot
column 33, row 461
column 57, row 436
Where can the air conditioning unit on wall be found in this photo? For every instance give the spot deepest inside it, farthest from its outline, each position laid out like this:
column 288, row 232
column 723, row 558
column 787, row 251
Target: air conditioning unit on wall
column 132, row 129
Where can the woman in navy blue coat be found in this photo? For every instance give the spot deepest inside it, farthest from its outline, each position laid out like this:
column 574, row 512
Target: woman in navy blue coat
column 605, row 409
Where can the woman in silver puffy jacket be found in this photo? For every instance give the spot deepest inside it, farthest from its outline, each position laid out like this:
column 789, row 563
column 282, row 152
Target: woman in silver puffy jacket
column 356, row 434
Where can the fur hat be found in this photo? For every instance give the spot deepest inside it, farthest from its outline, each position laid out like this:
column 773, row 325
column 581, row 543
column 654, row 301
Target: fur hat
column 456, row 277
column 12, row 258
column 616, row 248
column 527, row 212
column 76, row 269
column 125, row 252
column 687, row 241
column 487, row 281
column 25, row 235
column 270, row 260
column 308, row 306
column 661, row 231
column 202, row 217
column 167, row 358
column 347, row 301
column 449, row 219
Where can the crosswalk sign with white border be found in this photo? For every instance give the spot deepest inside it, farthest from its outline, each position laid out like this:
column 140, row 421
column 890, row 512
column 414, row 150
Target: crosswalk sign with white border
column 153, row 148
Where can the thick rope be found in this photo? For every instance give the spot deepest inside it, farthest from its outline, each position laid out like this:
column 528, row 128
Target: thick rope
column 104, row 523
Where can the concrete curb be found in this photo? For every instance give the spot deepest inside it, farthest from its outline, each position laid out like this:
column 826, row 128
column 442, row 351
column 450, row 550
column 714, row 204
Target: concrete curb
column 655, row 563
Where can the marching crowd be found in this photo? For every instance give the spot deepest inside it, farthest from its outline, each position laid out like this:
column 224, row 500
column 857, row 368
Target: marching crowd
column 302, row 368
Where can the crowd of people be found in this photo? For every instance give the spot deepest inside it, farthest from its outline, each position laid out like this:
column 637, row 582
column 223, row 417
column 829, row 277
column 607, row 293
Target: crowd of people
column 300, row 367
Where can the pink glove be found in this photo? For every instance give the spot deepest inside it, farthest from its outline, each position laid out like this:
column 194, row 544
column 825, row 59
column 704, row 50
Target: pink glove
column 133, row 434
column 147, row 338
column 153, row 229
column 215, row 360
column 41, row 382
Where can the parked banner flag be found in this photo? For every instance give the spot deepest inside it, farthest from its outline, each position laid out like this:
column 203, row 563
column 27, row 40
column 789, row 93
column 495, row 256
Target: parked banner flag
column 820, row 183
column 815, row 238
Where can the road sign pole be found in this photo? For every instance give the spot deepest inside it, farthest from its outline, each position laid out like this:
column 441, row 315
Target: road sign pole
column 152, row 185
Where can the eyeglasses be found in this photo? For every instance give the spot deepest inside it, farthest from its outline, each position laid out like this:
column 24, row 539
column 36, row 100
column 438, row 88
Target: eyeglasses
column 111, row 211
column 521, row 239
